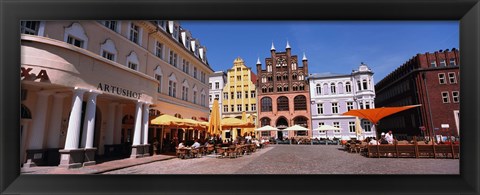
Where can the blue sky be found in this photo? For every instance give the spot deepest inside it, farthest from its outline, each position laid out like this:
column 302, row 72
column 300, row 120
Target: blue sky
column 330, row 46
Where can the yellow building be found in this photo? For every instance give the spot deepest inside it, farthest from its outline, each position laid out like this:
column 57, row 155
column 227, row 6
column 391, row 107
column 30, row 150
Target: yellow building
column 239, row 94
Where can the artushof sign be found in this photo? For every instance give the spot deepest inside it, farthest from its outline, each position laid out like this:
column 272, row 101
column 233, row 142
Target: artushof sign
column 118, row 90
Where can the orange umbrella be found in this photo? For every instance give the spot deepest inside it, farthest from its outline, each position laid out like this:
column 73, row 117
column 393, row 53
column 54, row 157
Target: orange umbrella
column 214, row 124
column 374, row 115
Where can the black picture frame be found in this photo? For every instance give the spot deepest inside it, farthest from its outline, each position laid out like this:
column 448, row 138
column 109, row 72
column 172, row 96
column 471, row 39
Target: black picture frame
column 465, row 11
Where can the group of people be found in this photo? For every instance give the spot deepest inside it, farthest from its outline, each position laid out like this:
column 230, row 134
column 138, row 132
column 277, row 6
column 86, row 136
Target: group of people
column 386, row 138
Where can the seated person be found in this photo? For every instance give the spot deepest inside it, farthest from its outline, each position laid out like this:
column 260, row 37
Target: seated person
column 373, row 142
column 196, row 144
column 181, row 144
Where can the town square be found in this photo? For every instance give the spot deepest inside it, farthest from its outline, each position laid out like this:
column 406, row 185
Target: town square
column 168, row 97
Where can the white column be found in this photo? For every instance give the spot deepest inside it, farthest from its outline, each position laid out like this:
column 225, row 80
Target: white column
column 39, row 121
column 138, row 124
column 73, row 131
column 145, row 123
column 118, row 124
column 109, row 129
column 89, row 121
column 56, row 121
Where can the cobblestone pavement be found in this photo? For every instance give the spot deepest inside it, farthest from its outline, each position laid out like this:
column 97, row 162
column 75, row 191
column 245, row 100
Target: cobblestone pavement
column 298, row 159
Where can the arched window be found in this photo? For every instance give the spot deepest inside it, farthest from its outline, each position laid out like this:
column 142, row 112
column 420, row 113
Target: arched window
column 348, row 87
column 282, row 103
column 294, row 76
column 279, row 88
column 333, row 90
column 300, row 102
column 75, row 35
column 108, row 50
column 285, row 88
column 319, row 89
column 132, row 61
column 172, row 85
column 265, row 121
column 266, row 104
column 301, row 120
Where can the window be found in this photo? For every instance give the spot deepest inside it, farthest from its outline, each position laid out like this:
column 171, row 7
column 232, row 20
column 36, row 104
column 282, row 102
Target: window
column 252, row 94
column 367, row 127
column 279, row 88
column 455, row 97
column 319, row 125
column 452, row 62
column 365, row 85
column 266, row 104
column 29, row 27
column 302, row 87
column 279, row 78
column 75, row 41
column 441, row 78
column 185, row 93
column 452, row 78
column 433, row 64
column 134, row 33
column 210, row 85
column 232, row 108
column 351, row 126
column 217, row 96
column 225, row 96
column 334, row 108
column 337, row 125
column 239, row 69
column 111, row 24
column 186, row 66
column 132, row 65
column 319, row 108
column 202, row 96
column 367, row 105
column 217, row 85
column 239, row 78
column 239, row 95
column 264, row 122
column 270, row 89
column 175, row 32
column 348, row 87
column 170, row 61
column 225, row 108
column 175, row 59
column 349, row 106
column 194, row 96
column 332, row 88
column 194, row 72
column 443, row 63
column 319, row 89
column 246, row 94
column 239, row 107
column 246, row 107
column 108, row 55
column 359, row 85
column 300, row 102
column 172, row 88
column 282, row 103
column 445, row 97
column 294, row 77
column 159, row 79
column 232, row 96
column 254, row 107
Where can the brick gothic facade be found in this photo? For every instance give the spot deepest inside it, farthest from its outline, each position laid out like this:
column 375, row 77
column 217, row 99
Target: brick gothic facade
column 283, row 93
column 430, row 79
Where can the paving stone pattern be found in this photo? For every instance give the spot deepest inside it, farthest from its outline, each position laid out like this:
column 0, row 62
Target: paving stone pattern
column 298, row 159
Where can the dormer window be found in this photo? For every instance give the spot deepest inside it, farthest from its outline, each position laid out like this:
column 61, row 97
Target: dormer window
column 175, row 32
column 30, row 27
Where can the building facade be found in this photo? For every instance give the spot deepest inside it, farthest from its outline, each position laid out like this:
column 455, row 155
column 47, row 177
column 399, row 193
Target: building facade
column 89, row 88
column 283, row 93
column 430, row 79
column 239, row 95
column 216, row 83
column 334, row 94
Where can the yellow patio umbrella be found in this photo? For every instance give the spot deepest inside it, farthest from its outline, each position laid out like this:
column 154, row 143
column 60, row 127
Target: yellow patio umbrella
column 167, row 120
column 231, row 123
column 358, row 127
column 214, row 124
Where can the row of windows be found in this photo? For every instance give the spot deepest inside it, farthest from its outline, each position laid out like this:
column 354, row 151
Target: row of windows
column 451, row 78
column 446, row 97
column 217, row 85
column 367, row 126
column 284, row 78
column 283, row 88
column 172, row 91
column 239, row 95
column 334, row 106
column 253, row 107
column 443, row 63
column 299, row 103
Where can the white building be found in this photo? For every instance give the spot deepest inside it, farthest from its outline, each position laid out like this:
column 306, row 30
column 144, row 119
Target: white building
column 334, row 94
column 217, row 82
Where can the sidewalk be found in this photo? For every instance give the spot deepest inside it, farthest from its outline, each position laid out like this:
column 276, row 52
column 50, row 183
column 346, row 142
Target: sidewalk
column 98, row 168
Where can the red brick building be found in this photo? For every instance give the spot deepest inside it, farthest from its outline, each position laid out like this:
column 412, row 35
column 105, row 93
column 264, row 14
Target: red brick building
column 283, row 93
column 430, row 79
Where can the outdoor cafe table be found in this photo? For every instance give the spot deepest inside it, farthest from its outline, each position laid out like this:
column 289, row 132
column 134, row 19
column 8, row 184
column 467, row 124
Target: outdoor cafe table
column 188, row 151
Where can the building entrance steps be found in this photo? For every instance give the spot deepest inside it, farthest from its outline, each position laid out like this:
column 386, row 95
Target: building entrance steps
column 101, row 167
